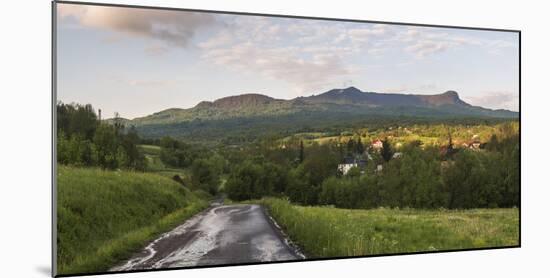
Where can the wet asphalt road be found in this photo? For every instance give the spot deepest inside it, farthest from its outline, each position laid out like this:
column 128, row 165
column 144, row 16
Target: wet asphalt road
column 229, row 234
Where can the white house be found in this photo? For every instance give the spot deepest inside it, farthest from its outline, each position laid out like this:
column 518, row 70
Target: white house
column 345, row 167
column 349, row 163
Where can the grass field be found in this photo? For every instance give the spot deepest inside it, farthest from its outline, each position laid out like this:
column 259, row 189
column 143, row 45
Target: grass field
column 105, row 216
column 332, row 232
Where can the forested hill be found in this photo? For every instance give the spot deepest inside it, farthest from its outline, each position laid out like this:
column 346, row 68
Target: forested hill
column 349, row 100
column 337, row 106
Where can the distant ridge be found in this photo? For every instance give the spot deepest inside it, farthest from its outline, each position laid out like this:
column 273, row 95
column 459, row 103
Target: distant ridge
column 349, row 100
column 354, row 95
column 232, row 102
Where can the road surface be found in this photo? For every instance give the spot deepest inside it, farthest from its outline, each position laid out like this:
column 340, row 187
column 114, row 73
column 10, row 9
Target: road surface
column 228, row 234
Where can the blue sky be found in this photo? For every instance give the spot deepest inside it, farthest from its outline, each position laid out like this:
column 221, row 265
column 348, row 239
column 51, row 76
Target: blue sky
column 137, row 62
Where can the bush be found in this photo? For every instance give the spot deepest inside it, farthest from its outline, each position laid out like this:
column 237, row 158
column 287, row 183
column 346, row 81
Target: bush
column 299, row 189
column 255, row 179
column 204, row 176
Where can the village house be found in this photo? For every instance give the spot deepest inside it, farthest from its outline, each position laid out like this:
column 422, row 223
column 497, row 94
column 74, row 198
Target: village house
column 377, row 145
column 349, row 163
column 474, row 143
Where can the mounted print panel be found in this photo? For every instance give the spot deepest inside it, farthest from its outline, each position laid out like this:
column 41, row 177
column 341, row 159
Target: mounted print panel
column 188, row 138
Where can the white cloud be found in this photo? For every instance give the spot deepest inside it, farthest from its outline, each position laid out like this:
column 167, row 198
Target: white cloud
column 367, row 33
column 156, row 50
column 495, row 100
column 313, row 53
column 422, row 42
column 172, row 27
column 140, row 82
column 423, row 48
column 284, row 64
column 305, row 56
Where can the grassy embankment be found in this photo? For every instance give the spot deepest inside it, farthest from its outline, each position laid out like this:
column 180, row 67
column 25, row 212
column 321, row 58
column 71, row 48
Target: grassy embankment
column 105, row 216
column 332, row 232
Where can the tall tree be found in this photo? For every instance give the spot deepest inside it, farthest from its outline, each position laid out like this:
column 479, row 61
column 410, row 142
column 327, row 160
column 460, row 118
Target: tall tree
column 387, row 151
column 105, row 143
column 301, row 158
column 204, row 176
column 360, row 147
column 351, row 146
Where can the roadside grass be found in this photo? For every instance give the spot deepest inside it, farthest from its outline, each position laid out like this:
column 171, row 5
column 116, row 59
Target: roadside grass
column 331, row 232
column 103, row 217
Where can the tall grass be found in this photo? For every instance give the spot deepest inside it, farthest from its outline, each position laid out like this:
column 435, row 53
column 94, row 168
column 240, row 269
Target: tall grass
column 104, row 216
column 332, row 232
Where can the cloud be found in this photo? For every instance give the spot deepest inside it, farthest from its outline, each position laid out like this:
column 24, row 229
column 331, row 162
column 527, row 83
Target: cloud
column 138, row 82
column 172, row 27
column 304, row 53
column 285, row 64
column 313, row 53
column 496, row 100
column 156, row 50
column 366, row 33
column 424, row 48
column 422, row 42
column 305, row 56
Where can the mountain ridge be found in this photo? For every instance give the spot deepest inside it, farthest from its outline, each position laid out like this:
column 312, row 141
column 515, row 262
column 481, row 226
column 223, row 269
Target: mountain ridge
column 349, row 101
column 253, row 114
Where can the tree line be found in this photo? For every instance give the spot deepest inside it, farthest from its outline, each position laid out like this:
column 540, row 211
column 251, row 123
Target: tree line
column 83, row 140
column 420, row 178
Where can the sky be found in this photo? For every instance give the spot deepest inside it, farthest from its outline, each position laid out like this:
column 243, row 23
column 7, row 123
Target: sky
column 140, row 61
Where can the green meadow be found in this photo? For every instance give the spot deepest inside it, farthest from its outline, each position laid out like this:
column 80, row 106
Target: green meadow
column 104, row 216
column 331, row 232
